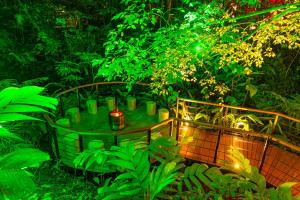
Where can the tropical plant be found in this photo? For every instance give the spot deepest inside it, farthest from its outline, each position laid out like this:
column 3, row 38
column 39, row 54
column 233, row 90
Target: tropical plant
column 257, row 182
column 94, row 160
column 241, row 121
column 239, row 180
column 138, row 179
column 15, row 105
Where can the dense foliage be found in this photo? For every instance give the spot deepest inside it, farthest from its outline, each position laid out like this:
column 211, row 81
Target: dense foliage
column 215, row 51
column 242, row 52
column 171, row 179
column 16, row 104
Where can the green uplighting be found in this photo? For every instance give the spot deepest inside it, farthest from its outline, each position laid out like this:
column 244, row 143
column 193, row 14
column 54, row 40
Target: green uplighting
column 146, row 100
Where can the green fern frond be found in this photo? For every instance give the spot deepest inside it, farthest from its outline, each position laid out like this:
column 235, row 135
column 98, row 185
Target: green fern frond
column 160, row 178
column 15, row 184
column 23, row 158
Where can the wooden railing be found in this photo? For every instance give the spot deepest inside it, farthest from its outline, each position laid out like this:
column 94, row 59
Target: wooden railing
column 279, row 124
column 176, row 123
column 97, row 89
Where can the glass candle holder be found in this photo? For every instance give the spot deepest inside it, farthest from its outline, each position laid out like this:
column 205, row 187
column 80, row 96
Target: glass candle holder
column 116, row 120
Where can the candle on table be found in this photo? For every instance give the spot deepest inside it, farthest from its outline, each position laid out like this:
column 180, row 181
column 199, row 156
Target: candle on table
column 116, row 120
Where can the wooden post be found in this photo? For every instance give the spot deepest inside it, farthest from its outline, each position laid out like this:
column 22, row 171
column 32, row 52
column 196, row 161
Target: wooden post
column 171, row 128
column 217, row 146
column 149, row 136
column 177, row 107
column 53, row 138
column 61, row 103
column 97, row 95
column 177, row 130
column 266, row 146
column 116, row 140
column 78, row 99
column 274, row 124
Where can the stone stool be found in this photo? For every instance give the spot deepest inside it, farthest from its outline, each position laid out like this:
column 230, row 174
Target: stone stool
column 131, row 103
column 151, row 108
column 111, row 103
column 74, row 115
column 163, row 114
column 96, row 144
column 91, row 106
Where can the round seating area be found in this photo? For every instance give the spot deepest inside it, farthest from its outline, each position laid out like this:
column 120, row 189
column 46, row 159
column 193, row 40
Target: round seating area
column 81, row 130
column 277, row 159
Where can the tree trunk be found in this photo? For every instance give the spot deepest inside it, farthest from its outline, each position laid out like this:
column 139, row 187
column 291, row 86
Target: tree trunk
column 169, row 7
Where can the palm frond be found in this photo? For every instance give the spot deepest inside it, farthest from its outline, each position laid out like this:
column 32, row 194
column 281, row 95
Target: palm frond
column 23, row 158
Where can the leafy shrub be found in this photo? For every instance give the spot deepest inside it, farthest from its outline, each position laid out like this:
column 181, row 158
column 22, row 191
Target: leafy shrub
column 16, row 104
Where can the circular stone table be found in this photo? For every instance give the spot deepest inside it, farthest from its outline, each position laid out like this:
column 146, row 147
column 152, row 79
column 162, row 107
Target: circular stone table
column 134, row 120
column 92, row 127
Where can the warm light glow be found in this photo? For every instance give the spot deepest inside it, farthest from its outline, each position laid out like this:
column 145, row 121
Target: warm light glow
column 185, row 128
column 116, row 113
column 186, row 118
column 236, row 165
column 235, row 138
column 240, row 124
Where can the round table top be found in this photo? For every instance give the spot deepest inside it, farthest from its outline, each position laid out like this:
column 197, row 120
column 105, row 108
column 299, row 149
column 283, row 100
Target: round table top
column 99, row 122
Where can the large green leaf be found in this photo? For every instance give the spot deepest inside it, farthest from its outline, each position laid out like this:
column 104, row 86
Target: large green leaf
column 25, row 94
column 28, row 91
column 160, row 178
column 122, row 163
column 122, row 155
column 252, row 118
column 252, row 89
column 38, row 100
column 128, row 175
column 200, row 116
column 23, row 158
column 193, row 180
column 9, row 117
column 284, row 190
column 22, row 108
column 5, row 133
column 6, row 95
column 15, row 184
